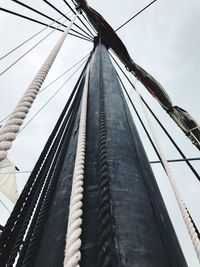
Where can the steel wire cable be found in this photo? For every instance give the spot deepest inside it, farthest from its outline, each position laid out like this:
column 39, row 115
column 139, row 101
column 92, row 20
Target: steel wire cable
column 27, row 40
column 138, row 13
column 139, row 118
column 46, row 173
column 78, row 17
column 40, row 22
column 37, row 227
column 46, row 16
column 151, row 162
column 52, row 82
column 161, row 125
column 55, row 8
column 28, row 191
column 28, row 18
column 182, row 206
column 47, row 102
column 27, row 52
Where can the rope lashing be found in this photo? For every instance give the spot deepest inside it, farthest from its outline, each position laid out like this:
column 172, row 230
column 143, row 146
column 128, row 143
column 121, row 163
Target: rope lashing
column 73, row 241
column 9, row 131
column 183, row 209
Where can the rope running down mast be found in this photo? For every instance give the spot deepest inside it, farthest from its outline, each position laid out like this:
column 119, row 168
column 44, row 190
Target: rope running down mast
column 73, row 241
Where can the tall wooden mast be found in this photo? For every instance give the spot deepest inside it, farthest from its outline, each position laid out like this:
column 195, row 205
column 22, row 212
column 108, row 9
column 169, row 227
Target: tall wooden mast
column 125, row 222
column 121, row 218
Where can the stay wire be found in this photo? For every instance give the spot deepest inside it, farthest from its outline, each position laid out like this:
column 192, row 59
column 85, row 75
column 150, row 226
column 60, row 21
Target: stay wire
column 25, row 197
column 37, row 11
column 44, row 88
column 176, row 160
column 28, row 18
column 3, row 204
column 33, row 235
column 27, row 40
column 20, row 229
column 161, row 125
column 65, row 72
column 86, row 19
column 42, row 14
column 151, row 162
column 78, row 18
column 28, row 51
column 47, row 102
column 40, row 22
column 144, row 127
column 38, row 225
column 55, row 8
column 138, row 13
column 40, row 195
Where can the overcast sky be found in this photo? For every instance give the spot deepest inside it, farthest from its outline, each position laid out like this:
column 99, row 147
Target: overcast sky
column 164, row 40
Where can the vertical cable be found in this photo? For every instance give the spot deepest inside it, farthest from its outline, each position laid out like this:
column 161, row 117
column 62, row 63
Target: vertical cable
column 73, row 241
column 180, row 202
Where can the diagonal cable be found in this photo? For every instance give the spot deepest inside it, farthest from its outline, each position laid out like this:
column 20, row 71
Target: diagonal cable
column 55, row 8
column 36, row 11
column 47, row 102
column 78, row 17
column 28, row 18
column 138, row 13
column 44, row 15
column 39, row 22
column 9, row 131
column 161, row 125
column 27, row 40
column 27, row 52
column 61, row 75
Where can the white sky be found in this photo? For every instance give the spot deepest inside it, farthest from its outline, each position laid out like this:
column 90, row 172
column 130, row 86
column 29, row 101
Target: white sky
column 164, row 40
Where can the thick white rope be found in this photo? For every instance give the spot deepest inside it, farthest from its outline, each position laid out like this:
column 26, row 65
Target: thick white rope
column 73, row 241
column 9, row 131
column 181, row 204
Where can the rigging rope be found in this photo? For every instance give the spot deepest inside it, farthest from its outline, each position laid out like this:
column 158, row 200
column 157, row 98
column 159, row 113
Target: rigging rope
column 181, row 204
column 138, row 13
column 28, row 51
column 187, row 124
column 44, row 15
column 161, row 125
column 78, row 18
column 28, row 18
column 177, row 160
column 61, row 75
column 36, row 11
column 9, row 131
column 52, row 6
column 5, row 205
column 73, row 241
column 52, row 82
column 40, row 22
column 138, row 115
column 18, row 219
column 47, row 102
column 27, row 40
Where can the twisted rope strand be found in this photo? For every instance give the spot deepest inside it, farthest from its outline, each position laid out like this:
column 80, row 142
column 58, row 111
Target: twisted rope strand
column 73, row 241
column 11, row 128
column 183, row 209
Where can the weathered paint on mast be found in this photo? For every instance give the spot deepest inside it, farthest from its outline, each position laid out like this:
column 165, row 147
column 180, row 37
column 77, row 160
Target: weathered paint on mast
column 125, row 222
